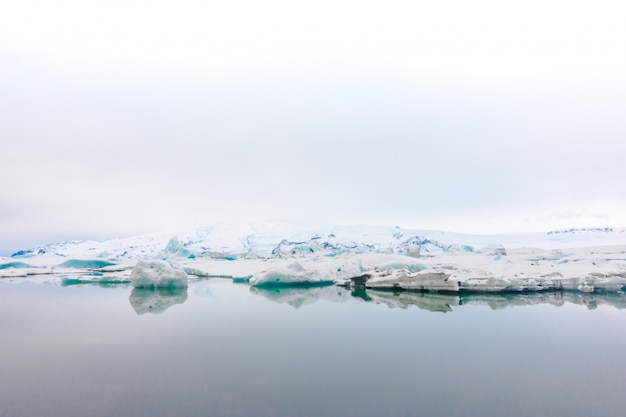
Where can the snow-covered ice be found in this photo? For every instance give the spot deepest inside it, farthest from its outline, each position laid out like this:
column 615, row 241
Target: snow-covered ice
column 155, row 273
column 581, row 260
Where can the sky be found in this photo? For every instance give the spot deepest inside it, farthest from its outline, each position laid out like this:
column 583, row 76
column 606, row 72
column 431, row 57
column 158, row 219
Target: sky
column 127, row 117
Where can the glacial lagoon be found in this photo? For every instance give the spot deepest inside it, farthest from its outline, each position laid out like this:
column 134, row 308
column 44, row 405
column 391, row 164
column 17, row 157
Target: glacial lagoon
column 219, row 348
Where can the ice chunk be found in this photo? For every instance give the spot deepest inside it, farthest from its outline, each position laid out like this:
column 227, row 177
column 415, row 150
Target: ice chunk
column 14, row 265
column 323, row 271
column 292, row 274
column 485, row 284
column 85, row 263
column 611, row 283
column 152, row 274
column 420, row 281
column 494, row 250
column 456, row 247
column 173, row 245
column 413, row 251
column 175, row 248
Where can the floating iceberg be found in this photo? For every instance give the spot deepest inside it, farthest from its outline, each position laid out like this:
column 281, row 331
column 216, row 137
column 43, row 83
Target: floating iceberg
column 419, row 281
column 157, row 274
column 86, row 264
column 16, row 265
column 319, row 272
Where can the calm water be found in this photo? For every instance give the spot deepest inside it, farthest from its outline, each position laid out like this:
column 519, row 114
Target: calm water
column 221, row 349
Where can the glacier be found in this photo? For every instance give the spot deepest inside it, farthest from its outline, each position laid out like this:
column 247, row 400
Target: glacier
column 374, row 257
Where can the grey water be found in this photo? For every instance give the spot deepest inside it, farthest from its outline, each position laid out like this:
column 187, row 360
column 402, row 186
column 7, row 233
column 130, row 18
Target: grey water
column 224, row 349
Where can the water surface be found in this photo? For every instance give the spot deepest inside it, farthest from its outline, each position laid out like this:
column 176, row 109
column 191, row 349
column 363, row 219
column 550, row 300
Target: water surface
column 222, row 349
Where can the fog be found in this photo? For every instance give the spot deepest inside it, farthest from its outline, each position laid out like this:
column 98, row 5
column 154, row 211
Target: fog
column 116, row 120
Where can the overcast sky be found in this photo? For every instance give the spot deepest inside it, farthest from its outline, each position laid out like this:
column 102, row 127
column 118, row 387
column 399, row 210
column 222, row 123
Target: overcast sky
column 125, row 117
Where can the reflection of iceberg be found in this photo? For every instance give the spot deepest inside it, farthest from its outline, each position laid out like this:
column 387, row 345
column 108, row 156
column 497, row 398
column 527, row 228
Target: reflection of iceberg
column 404, row 299
column 299, row 296
column 499, row 301
column 437, row 302
column 556, row 298
column 156, row 300
column 495, row 301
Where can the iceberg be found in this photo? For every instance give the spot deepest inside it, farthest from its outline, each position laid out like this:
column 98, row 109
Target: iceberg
column 413, row 250
column 16, row 265
column 157, row 274
column 297, row 273
column 419, row 281
column 86, row 264
column 174, row 248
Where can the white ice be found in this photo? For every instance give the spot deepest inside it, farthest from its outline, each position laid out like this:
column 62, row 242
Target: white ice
column 157, row 274
column 585, row 260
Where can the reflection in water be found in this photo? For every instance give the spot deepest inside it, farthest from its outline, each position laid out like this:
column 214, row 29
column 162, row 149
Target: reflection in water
column 556, row 298
column 437, row 302
column 156, row 300
column 403, row 299
column 299, row 296
column 343, row 356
